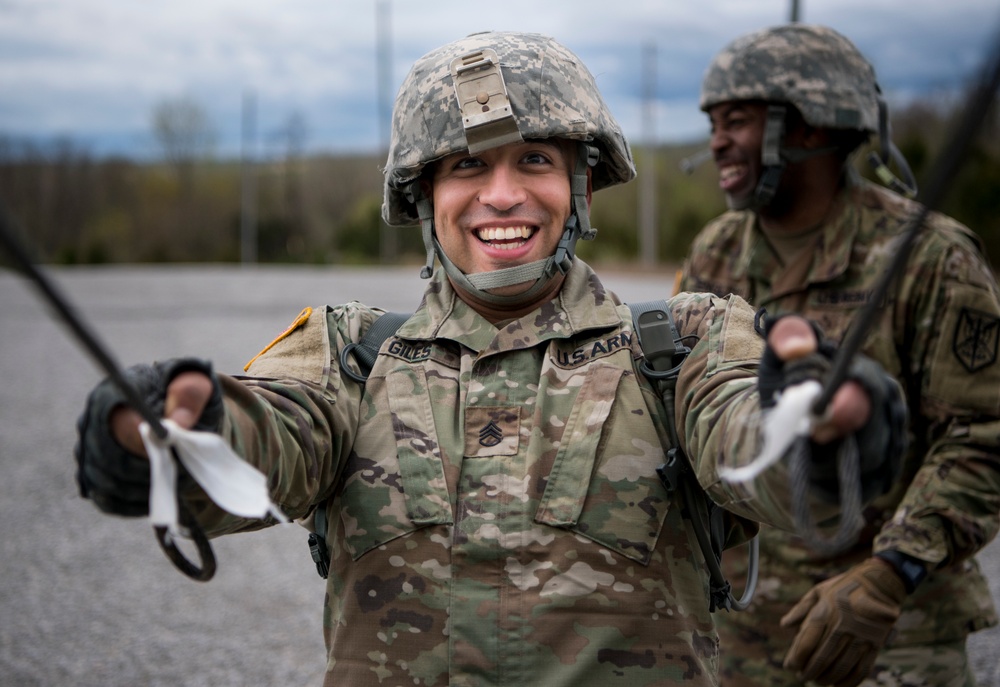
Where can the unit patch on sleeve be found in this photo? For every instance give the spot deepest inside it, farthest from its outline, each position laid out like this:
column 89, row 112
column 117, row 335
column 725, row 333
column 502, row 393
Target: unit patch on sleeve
column 975, row 339
column 299, row 320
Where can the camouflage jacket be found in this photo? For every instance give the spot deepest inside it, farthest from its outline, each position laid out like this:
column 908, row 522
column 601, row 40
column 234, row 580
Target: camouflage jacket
column 495, row 515
column 938, row 334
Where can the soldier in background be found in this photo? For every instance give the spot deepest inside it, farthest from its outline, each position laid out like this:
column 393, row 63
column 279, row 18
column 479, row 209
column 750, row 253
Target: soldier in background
column 495, row 514
column 788, row 108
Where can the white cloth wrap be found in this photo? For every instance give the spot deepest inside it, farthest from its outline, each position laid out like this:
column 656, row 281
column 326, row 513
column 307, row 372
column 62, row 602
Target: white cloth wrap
column 233, row 484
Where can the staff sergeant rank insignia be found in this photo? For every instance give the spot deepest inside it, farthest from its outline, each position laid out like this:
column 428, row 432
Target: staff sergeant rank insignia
column 491, row 434
column 976, row 336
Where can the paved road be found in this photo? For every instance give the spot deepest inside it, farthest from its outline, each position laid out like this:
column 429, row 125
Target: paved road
column 90, row 601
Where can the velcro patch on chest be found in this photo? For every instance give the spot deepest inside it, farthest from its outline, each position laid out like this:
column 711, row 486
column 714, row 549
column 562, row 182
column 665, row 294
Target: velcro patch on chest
column 840, row 299
column 411, row 352
column 491, row 431
column 580, row 354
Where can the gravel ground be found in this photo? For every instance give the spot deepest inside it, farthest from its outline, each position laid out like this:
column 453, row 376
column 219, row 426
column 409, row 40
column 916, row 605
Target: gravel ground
column 90, row 601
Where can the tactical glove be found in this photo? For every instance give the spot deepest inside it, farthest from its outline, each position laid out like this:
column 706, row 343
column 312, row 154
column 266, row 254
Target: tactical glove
column 775, row 375
column 843, row 623
column 118, row 481
column 881, row 442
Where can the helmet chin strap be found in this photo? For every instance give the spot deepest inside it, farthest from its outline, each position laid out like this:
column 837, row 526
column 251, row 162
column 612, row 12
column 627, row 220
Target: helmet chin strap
column 774, row 156
column 770, row 157
column 541, row 272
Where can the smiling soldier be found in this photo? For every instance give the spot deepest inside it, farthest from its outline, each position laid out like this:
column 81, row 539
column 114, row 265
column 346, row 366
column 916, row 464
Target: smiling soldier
column 789, row 106
column 494, row 511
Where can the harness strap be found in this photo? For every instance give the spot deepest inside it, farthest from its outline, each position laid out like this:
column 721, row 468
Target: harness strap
column 364, row 353
column 664, row 352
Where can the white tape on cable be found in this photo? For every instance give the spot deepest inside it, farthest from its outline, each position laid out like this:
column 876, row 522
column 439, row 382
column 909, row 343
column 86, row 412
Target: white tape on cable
column 233, row 484
column 790, row 419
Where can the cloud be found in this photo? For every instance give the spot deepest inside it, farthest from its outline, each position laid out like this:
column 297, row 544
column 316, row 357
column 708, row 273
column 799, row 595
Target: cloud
column 95, row 69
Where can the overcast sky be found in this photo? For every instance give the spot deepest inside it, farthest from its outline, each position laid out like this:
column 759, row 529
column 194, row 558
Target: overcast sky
column 94, row 70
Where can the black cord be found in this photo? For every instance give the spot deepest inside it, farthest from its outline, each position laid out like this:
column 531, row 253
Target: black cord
column 89, row 340
column 941, row 175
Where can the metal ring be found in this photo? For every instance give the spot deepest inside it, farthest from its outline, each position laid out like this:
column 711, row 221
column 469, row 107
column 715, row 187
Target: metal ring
column 345, row 368
column 177, row 557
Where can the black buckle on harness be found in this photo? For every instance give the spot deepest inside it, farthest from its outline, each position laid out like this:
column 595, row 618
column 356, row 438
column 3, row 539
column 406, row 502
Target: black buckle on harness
column 672, row 471
column 320, row 554
column 676, row 476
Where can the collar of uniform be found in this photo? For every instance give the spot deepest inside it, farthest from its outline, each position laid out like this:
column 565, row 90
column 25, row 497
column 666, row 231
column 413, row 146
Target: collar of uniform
column 750, row 239
column 832, row 255
column 582, row 304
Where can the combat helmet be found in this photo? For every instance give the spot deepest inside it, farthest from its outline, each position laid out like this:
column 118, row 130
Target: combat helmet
column 819, row 72
column 486, row 90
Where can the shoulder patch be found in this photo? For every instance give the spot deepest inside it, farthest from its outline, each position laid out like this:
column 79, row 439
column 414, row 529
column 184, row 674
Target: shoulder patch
column 739, row 339
column 975, row 339
column 299, row 320
column 962, row 367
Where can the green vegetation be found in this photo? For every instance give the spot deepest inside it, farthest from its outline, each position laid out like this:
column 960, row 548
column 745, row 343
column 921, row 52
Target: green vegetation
column 79, row 210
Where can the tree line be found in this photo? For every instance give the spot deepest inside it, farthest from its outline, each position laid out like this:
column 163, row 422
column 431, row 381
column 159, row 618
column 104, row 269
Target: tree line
column 187, row 206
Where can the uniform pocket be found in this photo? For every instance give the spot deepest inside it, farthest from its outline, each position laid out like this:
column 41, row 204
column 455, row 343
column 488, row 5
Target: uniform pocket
column 401, row 486
column 603, row 483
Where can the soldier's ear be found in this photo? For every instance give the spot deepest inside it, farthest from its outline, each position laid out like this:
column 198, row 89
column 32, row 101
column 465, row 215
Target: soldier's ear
column 814, row 138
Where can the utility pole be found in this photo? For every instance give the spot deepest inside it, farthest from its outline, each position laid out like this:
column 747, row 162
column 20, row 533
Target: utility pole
column 793, row 15
column 388, row 236
column 248, row 200
column 648, row 233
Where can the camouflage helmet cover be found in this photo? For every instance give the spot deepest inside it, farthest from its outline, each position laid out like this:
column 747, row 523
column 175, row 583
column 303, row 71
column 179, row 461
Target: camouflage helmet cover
column 814, row 68
column 552, row 94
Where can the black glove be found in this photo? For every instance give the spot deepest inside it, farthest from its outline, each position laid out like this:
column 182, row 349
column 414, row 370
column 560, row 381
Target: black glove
column 881, row 442
column 116, row 480
column 776, row 375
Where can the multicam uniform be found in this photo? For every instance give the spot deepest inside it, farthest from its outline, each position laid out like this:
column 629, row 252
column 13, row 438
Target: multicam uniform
column 938, row 334
column 495, row 515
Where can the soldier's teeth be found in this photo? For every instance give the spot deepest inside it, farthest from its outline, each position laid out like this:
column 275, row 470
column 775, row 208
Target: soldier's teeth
column 731, row 172
column 522, row 233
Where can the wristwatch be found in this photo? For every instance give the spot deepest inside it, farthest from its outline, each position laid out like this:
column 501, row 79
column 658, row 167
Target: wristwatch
column 911, row 570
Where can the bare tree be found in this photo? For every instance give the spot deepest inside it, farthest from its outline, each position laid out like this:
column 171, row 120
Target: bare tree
column 294, row 133
column 184, row 132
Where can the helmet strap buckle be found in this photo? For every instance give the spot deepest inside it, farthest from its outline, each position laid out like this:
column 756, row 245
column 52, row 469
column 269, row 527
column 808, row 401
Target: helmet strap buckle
column 578, row 224
column 770, row 156
column 414, row 193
